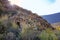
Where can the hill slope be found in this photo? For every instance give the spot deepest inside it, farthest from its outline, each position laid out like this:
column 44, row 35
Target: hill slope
column 56, row 24
column 17, row 13
column 17, row 23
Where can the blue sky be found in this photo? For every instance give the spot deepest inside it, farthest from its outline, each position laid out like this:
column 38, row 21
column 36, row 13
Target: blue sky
column 41, row 7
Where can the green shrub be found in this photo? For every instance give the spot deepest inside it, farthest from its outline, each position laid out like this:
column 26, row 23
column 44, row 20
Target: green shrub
column 28, row 33
column 47, row 35
column 57, row 32
column 7, row 26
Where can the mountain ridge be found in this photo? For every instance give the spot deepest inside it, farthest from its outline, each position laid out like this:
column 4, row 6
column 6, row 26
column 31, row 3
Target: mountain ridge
column 53, row 18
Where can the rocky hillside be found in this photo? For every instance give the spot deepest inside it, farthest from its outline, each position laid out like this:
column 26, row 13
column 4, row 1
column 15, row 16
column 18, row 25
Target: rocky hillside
column 17, row 23
column 21, row 15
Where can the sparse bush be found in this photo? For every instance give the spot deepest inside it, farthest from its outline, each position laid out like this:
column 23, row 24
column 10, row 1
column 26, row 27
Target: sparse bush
column 57, row 27
column 2, row 31
column 57, row 32
column 6, row 26
column 29, row 34
column 47, row 35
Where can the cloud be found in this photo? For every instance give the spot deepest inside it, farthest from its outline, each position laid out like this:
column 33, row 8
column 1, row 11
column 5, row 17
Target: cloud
column 40, row 7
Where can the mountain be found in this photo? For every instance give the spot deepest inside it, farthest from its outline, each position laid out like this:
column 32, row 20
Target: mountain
column 17, row 23
column 53, row 18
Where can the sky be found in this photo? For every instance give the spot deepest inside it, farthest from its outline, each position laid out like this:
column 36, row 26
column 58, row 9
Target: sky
column 41, row 7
